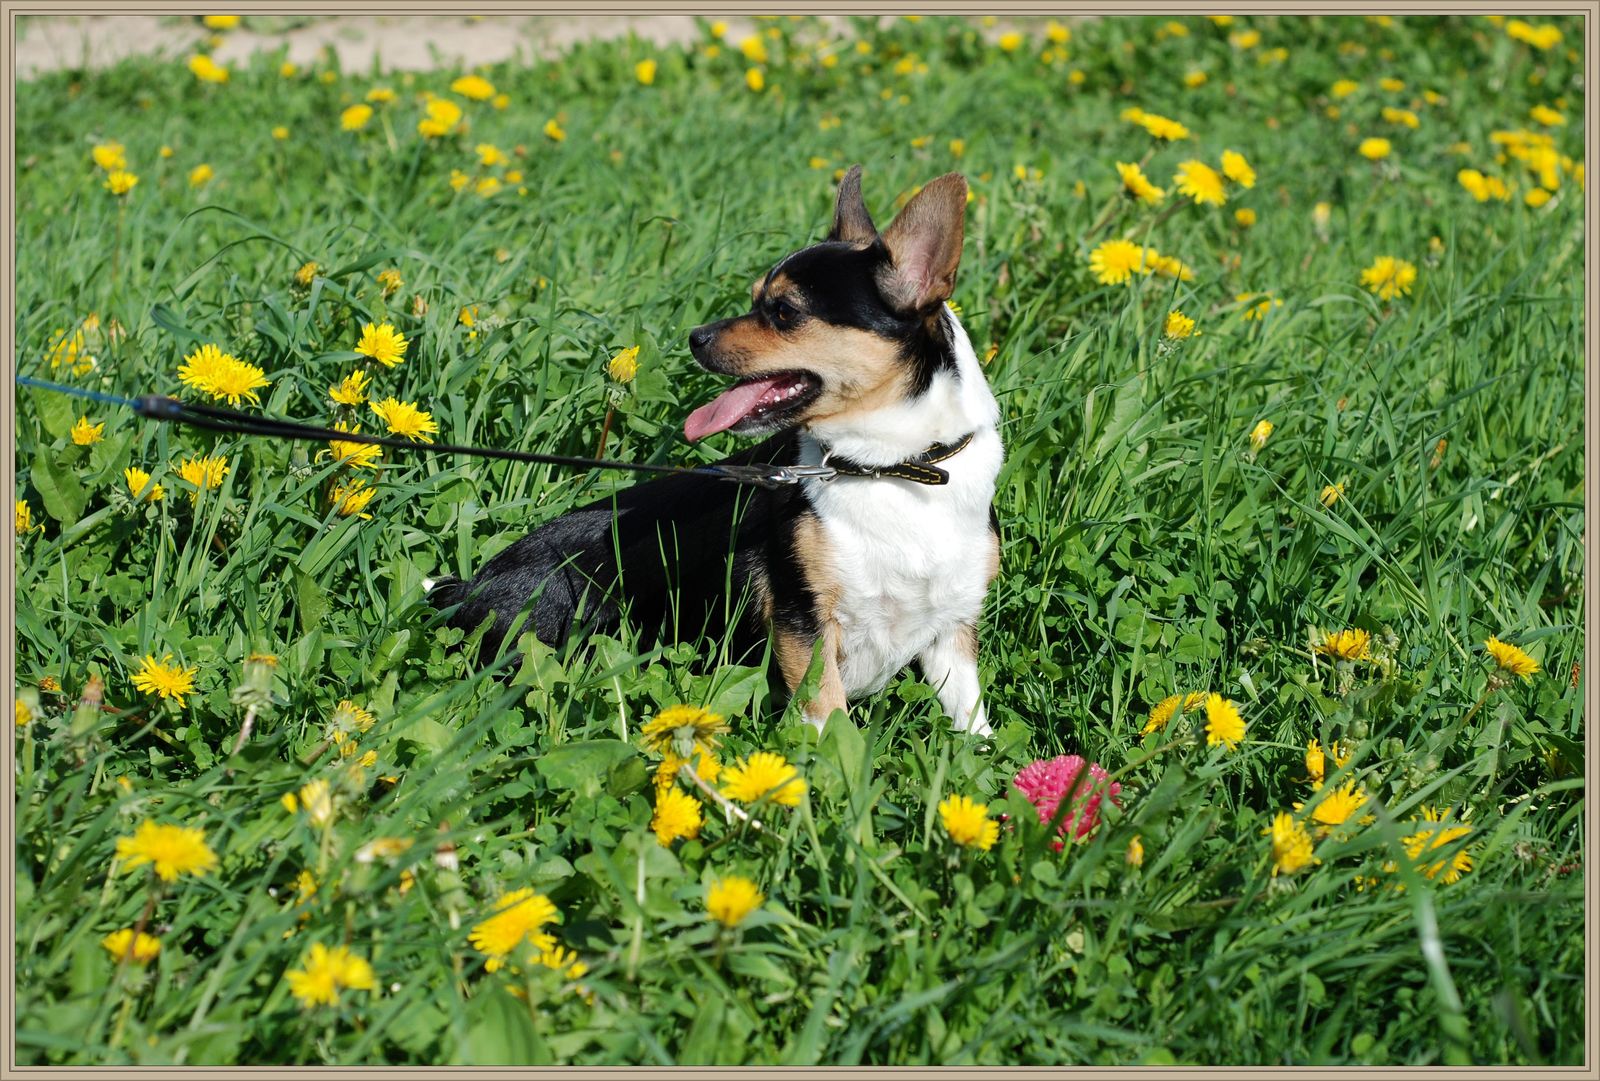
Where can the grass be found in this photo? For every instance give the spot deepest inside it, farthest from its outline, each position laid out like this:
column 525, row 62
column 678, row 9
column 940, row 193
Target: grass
column 1148, row 550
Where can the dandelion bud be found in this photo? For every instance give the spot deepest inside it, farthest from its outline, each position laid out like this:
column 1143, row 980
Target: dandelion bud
column 254, row 690
column 86, row 718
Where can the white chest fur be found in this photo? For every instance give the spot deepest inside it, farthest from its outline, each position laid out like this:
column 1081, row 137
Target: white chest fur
column 910, row 562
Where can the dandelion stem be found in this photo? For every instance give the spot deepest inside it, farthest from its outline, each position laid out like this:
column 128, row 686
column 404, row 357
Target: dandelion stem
column 244, row 729
column 605, row 431
column 728, row 806
column 1142, row 759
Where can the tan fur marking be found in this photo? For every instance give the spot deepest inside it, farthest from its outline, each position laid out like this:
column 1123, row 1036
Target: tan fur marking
column 994, row 557
column 794, row 651
column 860, row 371
column 966, row 640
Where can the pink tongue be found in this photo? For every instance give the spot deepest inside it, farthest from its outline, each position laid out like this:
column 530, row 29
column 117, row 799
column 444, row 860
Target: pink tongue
column 728, row 408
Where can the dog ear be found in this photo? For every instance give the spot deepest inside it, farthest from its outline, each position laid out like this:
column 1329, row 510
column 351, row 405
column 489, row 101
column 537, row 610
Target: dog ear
column 924, row 243
column 851, row 222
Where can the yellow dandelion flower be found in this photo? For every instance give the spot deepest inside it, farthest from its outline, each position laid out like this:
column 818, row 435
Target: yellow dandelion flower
column 490, row 155
column 1424, row 844
column 110, row 156
column 1245, row 217
column 554, row 131
column 356, row 454
column 706, row 767
column 139, row 485
column 1316, row 762
column 1374, row 149
column 755, row 80
column 1161, row 127
column 1345, row 645
column 1178, row 325
column 518, row 916
column 442, row 116
column 685, row 728
column 145, row 948
column 207, row 70
column 1223, row 723
column 645, row 72
column 1389, row 277
column 220, row 375
column 1331, row 494
column 475, row 87
column 1509, row 658
column 405, row 419
column 355, row 117
column 221, row 22
column 1200, row 182
column 487, row 186
column 1194, row 78
column 677, row 815
column 351, row 497
column 382, row 343
column 1237, row 169
column 1163, row 711
column 85, row 434
column 1260, row 434
column 24, row 518
column 390, row 280
column 1116, row 261
column 1336, row 806
column 1403, row 117
column 164, row 680
column 1134, row 857
column 380, row 95
column 169, row 850
column 351, row 390
column 349, row 716
column 324, row 973
column 1344, row 88
column 1010, row 41
column 203, row 473
column 1537, row 197
column 280, row 133
column 764, row 775
column 729, row 900
column 120, row 182
column 754, row 49
column 625, row 365
column 1259, row 304
column 968, row 823
column 1137, row 185
column 201, row 175
column 1291, row 845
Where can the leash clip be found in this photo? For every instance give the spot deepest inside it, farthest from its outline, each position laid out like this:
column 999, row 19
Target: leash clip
column 773, row 476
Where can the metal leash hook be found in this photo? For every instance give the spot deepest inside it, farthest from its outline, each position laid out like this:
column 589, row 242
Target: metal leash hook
column 771, row 476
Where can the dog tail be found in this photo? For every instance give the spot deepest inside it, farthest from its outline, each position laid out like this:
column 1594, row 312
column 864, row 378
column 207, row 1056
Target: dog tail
column 444, row 593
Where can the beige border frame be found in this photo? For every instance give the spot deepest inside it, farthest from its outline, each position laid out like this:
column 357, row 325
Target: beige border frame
column 9, row 9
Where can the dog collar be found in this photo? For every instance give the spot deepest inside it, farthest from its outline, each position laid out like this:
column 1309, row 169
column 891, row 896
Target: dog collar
column 920, row 468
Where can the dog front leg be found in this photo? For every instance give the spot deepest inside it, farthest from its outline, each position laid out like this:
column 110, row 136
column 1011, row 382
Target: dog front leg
column 794, row 660
column 951, row 666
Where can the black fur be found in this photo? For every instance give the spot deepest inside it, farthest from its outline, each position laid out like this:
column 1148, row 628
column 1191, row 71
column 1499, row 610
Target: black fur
column 694, row 553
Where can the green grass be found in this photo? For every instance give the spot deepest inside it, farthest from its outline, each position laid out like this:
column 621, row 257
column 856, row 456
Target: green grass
column 1146, row 552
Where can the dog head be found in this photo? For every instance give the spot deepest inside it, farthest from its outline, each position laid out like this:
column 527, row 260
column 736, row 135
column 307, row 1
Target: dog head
column 847, row 325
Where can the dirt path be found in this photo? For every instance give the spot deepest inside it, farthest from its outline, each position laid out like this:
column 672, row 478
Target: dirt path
column 48, row 43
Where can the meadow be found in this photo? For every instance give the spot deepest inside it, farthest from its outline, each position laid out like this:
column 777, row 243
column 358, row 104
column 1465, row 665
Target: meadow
column 1284, row 317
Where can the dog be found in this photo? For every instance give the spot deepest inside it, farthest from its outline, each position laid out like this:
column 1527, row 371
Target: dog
column 849, row 357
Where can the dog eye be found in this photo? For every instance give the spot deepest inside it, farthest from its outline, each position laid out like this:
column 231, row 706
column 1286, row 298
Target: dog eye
column 783, row 313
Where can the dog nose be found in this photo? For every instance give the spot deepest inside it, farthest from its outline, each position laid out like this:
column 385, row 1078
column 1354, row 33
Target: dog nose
column 700, row 337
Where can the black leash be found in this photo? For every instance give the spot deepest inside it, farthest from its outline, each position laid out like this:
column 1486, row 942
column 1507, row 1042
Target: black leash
column 212, row 418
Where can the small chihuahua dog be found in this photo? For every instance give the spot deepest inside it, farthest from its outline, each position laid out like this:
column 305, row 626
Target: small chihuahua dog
column 850, row 358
